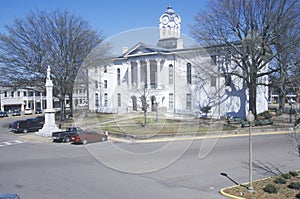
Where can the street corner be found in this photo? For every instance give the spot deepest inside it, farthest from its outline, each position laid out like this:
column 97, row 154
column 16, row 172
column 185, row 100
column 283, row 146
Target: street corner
column 31, row 137
column 222, row 192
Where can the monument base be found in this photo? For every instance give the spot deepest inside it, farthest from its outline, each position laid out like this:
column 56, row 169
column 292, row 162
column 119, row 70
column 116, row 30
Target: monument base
column 47, row 130
column 49, row 126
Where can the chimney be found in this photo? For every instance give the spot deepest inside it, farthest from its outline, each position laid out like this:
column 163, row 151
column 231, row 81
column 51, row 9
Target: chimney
column 124, row 50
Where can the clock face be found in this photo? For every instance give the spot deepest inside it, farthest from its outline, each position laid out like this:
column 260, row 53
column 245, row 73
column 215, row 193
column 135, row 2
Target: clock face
column 165, row 20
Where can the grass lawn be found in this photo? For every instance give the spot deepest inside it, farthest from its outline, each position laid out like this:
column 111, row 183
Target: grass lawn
column 277, row 187
column 134, row 124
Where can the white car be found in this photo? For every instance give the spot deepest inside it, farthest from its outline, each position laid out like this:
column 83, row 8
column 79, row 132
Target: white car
column 28, row 111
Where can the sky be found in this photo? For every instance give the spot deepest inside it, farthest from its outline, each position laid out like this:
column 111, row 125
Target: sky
column 110, row 16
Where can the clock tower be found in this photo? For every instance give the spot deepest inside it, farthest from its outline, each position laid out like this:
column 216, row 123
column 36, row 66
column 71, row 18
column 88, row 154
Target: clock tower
column 169, row 30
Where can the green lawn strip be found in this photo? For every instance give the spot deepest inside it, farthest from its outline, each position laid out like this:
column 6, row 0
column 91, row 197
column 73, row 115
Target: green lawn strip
column 134, row 124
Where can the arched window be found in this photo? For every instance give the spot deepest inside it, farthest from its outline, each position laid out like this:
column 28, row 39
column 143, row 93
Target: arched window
column 171, row 101
column 171, row 74
column 119, row 76
column 105, row 100
column 119, row 99
column 189, row 73
column 188, row 101
column 96, row 100
column 134, row 103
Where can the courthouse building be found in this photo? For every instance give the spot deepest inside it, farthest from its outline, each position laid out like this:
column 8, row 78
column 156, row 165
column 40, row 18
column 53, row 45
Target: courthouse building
column 171, row 78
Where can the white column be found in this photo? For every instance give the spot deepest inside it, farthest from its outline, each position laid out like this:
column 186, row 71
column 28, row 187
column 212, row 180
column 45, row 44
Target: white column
column 34, row 100
column 138, row 69
column 148, row 73
column 129, row 74
column 41, row 96
column 158, row 73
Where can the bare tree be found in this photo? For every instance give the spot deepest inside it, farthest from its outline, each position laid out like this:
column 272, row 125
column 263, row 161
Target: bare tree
column 143, row 93
column 59, row 39
column 287, row 61
column 249, row 30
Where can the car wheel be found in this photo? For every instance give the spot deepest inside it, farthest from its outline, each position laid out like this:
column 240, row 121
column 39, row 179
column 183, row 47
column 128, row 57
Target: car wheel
column 25, row 131
column 67, row 139
column 84, row 141
column 103, row 139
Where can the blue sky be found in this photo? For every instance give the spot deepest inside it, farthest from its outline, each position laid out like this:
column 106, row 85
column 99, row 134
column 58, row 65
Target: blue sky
column 111, row 17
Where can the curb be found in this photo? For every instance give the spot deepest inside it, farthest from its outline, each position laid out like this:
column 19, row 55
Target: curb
column 229, row 195
column 222, row 191
column 190, row 137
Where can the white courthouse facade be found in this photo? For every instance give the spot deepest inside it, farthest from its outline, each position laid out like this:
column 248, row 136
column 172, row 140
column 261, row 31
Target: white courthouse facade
column 173, row 79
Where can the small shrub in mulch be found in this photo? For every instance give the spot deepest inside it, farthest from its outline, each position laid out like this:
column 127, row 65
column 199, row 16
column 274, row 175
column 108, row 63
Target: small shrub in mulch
column 286, row 176
column 298, row 196
column 280, row 180
column 270, row 188
column 294, row 185
column 294, row 173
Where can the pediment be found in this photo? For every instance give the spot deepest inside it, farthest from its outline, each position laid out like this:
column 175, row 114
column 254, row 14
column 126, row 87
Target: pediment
column 142, row 49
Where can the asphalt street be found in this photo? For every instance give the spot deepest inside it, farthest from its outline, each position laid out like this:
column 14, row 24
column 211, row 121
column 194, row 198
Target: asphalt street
column 177, row 169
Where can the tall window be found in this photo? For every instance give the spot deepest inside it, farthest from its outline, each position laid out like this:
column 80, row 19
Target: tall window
column 119, row 77
column 24, row 93
column 96, row 100
column 96, row 69
column 105, row 69
column 105, row 100
column 213, row 60
column 171, row 74
column 105, row 83
column 96, row 84
column 119, row 99
column 171, row 101
column 188, row 101
column 12, row 94
column 227, row 80
column 5, row 93
column 213, row 80
column 189, row 73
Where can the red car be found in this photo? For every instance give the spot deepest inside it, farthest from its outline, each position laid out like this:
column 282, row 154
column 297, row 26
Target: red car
column 85, row 137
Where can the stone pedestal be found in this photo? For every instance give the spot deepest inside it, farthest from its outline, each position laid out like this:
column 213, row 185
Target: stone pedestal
column 49, row 126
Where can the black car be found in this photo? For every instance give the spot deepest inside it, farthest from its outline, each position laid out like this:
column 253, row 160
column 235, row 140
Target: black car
column 25, row 126
column 3, row 114
column 38, row 111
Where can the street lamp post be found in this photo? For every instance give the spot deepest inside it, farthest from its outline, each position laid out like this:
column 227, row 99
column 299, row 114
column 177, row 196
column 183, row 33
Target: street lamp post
column 250, row 119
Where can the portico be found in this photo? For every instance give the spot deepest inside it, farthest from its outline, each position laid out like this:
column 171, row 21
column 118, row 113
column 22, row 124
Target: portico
column 144, row 72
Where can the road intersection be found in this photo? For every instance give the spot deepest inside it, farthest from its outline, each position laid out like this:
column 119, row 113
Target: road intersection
column 168, row 169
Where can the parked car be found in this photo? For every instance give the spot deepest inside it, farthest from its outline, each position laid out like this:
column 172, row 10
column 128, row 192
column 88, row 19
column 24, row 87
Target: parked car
column 28, row 111
column 9, row 196
column 64, row 136
column 25, row 126
column 16, row 113
column 84, row 137
column 40, row 119
column 38, row 111
column 3, row 114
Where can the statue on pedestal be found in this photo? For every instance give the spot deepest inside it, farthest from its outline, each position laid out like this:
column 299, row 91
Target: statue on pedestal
column 49, row 126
